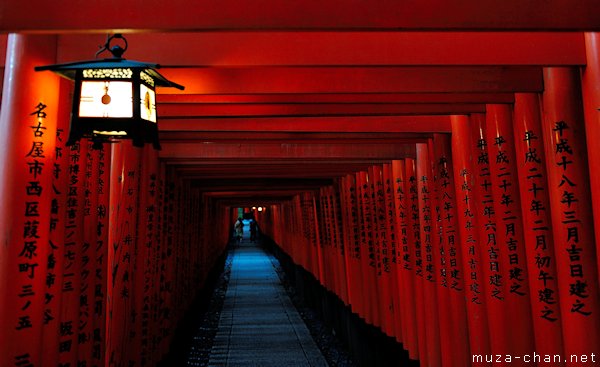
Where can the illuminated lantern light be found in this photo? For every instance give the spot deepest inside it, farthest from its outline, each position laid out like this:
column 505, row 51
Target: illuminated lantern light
column 113, row 98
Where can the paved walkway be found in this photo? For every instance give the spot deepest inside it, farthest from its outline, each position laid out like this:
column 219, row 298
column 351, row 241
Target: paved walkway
column 259, row 325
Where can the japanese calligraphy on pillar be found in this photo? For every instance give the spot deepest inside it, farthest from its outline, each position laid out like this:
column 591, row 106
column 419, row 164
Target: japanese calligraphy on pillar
column 470, row 243
column 87, row 254
column 404, row 257
column 31, row 259
column 354, row 224
column 447, row 203
column 426, row 220
column 382, row 223
column 505, row 185
column 488, row 216
column 368, row 221
column 390, row 213
column 569, row 200
column 55, row 255
column 68, row 328
column 413, row 193
column 100, row 254
column 536, row 215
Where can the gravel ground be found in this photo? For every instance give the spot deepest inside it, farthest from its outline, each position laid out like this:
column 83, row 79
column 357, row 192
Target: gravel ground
column 199, row 354
column 332, row 349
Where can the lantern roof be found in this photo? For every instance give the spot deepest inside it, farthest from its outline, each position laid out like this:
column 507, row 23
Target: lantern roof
column 69, row 70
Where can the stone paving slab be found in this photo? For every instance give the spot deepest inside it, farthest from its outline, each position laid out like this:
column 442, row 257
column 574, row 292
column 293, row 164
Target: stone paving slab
column 259, row 325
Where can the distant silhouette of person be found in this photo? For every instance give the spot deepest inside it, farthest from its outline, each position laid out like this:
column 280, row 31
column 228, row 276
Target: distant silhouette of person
column 239, row 229
column 253, row 229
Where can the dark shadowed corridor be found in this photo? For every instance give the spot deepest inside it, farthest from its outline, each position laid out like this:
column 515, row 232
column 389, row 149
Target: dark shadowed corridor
column 259, row 326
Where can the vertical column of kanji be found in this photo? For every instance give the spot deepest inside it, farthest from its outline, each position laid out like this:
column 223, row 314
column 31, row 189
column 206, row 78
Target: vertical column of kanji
column 405, row 258
column 427, row 205
column 28, row 126
column 305, row 209
column 539, row 241
column 470, row 248
column 307, row 216
column 440, row 251
column 73, row 256
column 591, row 103
column 370, row 259
column 505, row 187
column 459, row 337
column 156, row 264
column 355, row 249
column 142, row 282
column 416, row 251
column 333, row 243
column 346, row 233
column 57, row 229
column 87, row 253
column 169, row 258
column 299, row 241
column 125, row 174
column 314, row 239
column 382, row 250
column 100, row 264
column 324, row 270
column 491, row 265
column 366, row 284
column 392, row 255
column 342, row 243
column 575, row 249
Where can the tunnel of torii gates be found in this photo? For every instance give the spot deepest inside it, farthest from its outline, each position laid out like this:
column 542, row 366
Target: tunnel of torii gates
column 437, row 170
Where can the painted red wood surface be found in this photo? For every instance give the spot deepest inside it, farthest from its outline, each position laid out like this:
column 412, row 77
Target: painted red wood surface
column 406, row 260
column 28, row 131
column 568, row 181
column 518, row 331
column 473, row 253
column 537, row 226
column 456, row 351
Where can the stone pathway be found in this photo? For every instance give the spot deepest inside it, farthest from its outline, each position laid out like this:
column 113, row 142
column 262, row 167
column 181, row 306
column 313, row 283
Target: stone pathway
column 259, row 325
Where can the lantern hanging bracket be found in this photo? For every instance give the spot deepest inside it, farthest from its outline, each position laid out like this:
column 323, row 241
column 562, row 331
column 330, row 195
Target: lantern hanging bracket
column 117, row 50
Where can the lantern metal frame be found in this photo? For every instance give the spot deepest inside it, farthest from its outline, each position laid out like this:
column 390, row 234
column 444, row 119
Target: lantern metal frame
column 110, row 129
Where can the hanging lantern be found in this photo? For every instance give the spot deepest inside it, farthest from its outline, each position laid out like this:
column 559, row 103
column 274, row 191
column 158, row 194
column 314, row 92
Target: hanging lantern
column 113, row 98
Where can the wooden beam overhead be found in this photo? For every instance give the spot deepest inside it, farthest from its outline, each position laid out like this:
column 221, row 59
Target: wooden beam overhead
column 231, row 110
column 294, row 48
column 392, row 124
column 283, row 150
column 360, row 79
column 204, row 15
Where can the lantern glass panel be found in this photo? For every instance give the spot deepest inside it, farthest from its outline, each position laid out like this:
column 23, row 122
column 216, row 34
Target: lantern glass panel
column 147, row 103
column 106, row 99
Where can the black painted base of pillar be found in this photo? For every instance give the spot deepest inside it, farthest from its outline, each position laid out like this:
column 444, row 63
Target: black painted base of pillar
column 367, row 344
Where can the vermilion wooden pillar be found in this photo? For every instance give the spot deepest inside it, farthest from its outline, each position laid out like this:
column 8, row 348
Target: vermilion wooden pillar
column 539, row 241
column 405, row 257
column 50, row 343
column 381, row 251
column 27, row 136
column 123, row 220
column 486, row 215
column 472, row 250
column 591, row 104
column 568, row 181
column 455, row 351
column 416, row 251
column 392, row 236
column 427, row 203
column 509, row 229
